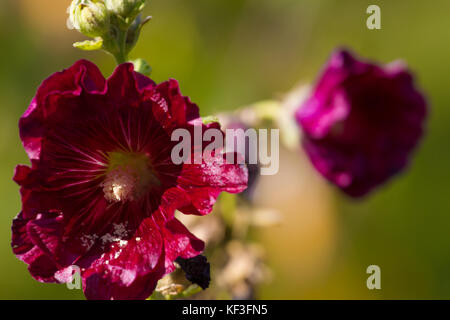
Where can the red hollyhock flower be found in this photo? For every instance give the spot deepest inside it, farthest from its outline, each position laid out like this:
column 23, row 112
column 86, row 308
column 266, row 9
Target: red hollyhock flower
column 102, row 190
column 361, row 122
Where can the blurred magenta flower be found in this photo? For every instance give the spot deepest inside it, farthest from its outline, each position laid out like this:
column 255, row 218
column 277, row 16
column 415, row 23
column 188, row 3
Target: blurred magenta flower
column 361, row 122
column 102, row 190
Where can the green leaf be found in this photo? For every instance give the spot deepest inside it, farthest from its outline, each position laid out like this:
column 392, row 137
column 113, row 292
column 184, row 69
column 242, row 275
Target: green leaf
column 89, row 45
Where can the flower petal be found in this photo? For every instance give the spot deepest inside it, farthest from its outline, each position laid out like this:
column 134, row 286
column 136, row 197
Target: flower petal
column 83, row 76
column 171, row 108
column 130, row 269
column 179, row 242
column 125, row 86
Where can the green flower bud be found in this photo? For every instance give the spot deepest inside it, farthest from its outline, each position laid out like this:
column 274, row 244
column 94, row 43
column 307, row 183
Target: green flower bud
column 90, row 17
column 125, row 9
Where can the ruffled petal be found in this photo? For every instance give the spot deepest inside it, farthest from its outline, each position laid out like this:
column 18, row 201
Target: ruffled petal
column 40, row 265
column 125, row 86
column 179, row 242
column 204, row 182
column 56, row 92
column 130, row 269
column 21, row 243
column 171, row 108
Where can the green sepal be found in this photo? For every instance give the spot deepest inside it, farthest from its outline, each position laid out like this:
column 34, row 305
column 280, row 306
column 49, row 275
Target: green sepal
column 89, row 45
column 142, row 66
column 134, row 32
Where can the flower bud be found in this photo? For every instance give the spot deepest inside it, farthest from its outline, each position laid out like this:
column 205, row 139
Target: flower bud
column 90, row 17
column 125, row 9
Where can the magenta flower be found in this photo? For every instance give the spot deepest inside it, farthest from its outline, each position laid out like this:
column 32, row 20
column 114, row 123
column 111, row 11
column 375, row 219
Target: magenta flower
column 102, row 190
column 361, row 122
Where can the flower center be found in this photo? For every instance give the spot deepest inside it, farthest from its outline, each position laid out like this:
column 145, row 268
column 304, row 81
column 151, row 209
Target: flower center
column 129, row 177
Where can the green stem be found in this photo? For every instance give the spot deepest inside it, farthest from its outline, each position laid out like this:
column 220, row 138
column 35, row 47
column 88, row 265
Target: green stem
column 115, row 43
column 122, row 54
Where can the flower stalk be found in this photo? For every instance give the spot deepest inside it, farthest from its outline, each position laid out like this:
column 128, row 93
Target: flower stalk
column 115, row 44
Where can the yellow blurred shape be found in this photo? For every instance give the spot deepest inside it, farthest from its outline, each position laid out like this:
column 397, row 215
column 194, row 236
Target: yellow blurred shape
column 47, row 17
column 301, row 248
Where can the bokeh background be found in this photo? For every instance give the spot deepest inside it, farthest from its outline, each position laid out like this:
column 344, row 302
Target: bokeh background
column 229, row 53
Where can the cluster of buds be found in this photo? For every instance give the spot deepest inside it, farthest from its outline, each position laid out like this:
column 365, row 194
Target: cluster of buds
column 115, row 26
column 125, row 10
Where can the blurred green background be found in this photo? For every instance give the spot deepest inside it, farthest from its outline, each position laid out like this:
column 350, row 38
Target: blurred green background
column 228, row 53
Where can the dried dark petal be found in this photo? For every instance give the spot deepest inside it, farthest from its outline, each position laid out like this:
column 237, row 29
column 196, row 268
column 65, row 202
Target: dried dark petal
column 197, row 270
